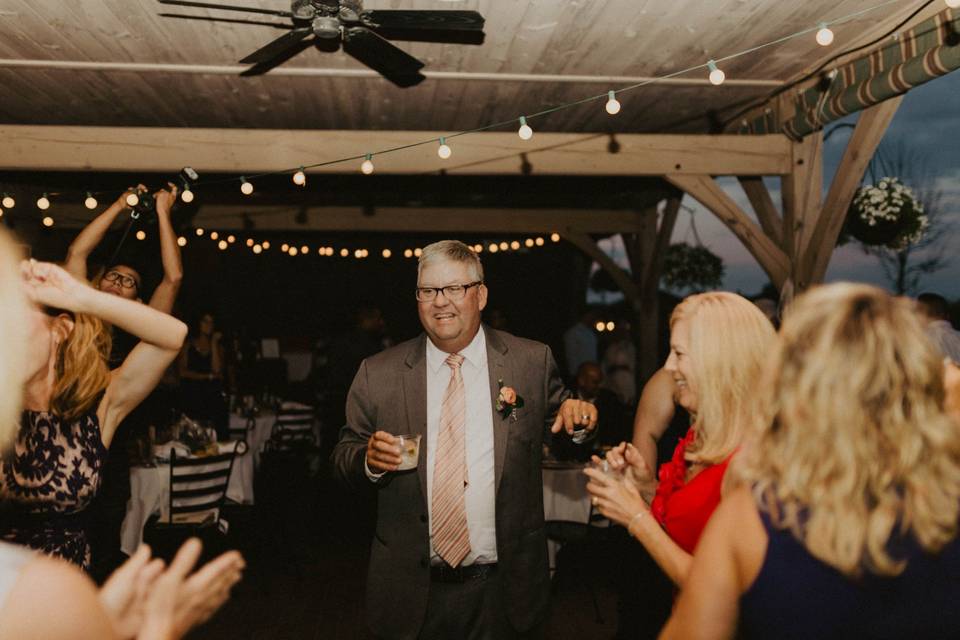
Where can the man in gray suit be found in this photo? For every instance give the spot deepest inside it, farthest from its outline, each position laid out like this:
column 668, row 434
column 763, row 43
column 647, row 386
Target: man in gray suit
column 459, row 549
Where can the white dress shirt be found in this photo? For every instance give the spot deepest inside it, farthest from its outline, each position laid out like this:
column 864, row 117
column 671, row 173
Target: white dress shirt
column 480, row 493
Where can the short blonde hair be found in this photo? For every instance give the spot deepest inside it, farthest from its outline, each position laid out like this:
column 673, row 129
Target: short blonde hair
column 729, row 341
column 854, row 442
column 453, row 250
column 13, row 334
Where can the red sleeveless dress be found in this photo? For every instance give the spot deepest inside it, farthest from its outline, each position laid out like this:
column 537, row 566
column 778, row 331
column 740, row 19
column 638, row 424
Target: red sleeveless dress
column 682, row 507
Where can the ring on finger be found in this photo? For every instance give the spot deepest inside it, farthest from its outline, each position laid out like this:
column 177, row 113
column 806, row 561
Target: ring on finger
column 584, row 416
column 594, row 500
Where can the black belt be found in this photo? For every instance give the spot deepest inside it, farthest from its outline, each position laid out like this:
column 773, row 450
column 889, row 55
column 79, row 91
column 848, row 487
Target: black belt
column 446, row 573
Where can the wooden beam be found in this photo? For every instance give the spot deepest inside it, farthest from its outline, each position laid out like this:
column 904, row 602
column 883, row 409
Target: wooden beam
column 802, row 191
column 763, row 206
column 586, row 244
column 705, row 190
column 871, row 126
column 155, row 149
column 651, row 275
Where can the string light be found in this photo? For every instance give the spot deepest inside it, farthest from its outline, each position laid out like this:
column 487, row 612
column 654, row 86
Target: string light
column 141, row 235
column 418, row 252
column 525, row 132
column 367, row 166
column 90, row 202
column 257, row 249
column 132, row 199
column 47, row 221
column 284, row 247
column 408, row 253
column 600, row 326
column 304, row 249
column 292, row 251
column 300, row 178
column 246, row 187
column 825, row 35
column 249, row 242
column 443, row 150
column 386, row 253
column 504, row 246
column 358, row 253
column 43, row 203
column 181, row 241
column 528, row 243
column 514, row 245
column 8, row 201
column 555, row 237
column 265, row 244
column 478, row 248
column 717, row 76
column 613, row 106
column 199, row 231
column 538, row 241
column 186, row 195
column 344, row 252
column 214, row 235
column 223, row 245
column 611, row 326
column 231, row 238
column 493, row 248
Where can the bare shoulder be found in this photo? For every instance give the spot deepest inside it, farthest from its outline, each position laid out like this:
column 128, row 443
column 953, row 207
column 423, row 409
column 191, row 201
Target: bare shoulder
column 740, row 522
column 53, row 599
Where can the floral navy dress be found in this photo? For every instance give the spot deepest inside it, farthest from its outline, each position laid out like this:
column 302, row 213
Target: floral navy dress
column 47, row 481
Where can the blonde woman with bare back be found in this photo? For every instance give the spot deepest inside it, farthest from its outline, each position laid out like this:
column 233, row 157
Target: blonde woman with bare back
column 44, row 597
column 846, row 524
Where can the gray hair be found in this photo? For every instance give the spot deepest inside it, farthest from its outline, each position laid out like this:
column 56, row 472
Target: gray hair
column 452, row 250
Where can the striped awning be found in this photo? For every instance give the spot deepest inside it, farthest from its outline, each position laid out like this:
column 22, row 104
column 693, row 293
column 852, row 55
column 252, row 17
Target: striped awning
column 928, row 51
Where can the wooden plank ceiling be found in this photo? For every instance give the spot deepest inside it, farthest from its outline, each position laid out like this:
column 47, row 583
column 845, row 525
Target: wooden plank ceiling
column 564, row 42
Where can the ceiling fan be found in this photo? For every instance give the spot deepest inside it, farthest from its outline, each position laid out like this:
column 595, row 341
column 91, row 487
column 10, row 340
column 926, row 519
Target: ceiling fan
column 365, row 35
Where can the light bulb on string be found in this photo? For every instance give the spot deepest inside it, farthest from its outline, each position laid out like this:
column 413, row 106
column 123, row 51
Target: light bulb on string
column 443, row 150
column 250, row 242
column 186, row 195
column 953, row 4
column 132, row 199
column 386, row 253
column 141, row 235
column 538, row 241
column 292, row 251
column 284, row 247
column 366, row 167
column 358, row 253
column 199, row 231
column 418, row 252
column 493, row 248
column 90, row 202
column 257, row 249
column 344, row 252
column 478, row 248
column 246, row 187
column 515, row 245
column 555, row 237
column 528, row 243
column 600, row 326
column 824, row 35
column 525, row 132
column 504, row 246
column 717, row 76
column 265, row 244
column 223, row 245
column 43, row 203
column 8, row 201
column 304, row 249
column 613, row 105
column 214, row 235
column 231, row 238
column 300, row 178
column 408, row 253
column 47, row 221
column 181, row 241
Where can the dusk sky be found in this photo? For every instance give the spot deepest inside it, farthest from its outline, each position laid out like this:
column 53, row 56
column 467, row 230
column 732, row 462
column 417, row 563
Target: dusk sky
column 928, row 119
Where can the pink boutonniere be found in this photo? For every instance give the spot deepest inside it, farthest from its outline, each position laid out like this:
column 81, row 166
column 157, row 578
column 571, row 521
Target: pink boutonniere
column 508, row 401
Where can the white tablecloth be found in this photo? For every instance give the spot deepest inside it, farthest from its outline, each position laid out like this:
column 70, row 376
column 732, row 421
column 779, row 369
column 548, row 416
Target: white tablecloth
column 150, row 494
column 259, row 432
column 565, row 497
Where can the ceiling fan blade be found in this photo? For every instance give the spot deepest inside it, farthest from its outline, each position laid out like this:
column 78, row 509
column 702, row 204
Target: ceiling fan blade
column 457, row 27
column 275, row 25
column 424, row 20
column 262, row 67
column 393, row 63
column 277, row 47
column 226, row 7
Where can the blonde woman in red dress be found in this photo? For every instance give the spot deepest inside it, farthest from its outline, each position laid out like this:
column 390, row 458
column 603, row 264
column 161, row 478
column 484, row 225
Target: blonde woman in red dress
column 718, row 344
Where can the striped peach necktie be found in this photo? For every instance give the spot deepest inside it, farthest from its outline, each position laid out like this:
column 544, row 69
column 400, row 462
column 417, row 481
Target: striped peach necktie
column 451, row 538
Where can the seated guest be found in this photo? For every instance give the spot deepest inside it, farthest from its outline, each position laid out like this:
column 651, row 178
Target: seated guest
column 936, row 316
column 846, row 526
column 718, row 343
column 201, row 376
column 73, row 403
column 42, row 597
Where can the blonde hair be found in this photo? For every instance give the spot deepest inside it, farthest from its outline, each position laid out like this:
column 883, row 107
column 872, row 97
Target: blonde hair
column 453, row 250
column 729, row 340
column 82, row 372
column 13, row 333
column 854, row 441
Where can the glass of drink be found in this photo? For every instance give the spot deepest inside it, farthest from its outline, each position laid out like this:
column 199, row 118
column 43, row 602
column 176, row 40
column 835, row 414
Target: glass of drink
column 409, row 451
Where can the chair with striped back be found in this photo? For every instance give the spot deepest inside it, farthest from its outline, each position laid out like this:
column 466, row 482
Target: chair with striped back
column 294, row 429
column 198, row 489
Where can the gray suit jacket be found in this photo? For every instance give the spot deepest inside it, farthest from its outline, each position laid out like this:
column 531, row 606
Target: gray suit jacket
column 389, row 393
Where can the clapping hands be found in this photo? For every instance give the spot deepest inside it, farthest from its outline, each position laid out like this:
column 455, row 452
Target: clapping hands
column 626, row 458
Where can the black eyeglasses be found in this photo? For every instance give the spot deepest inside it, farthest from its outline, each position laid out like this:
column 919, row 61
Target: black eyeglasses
column 127, row 282
column 452, row 292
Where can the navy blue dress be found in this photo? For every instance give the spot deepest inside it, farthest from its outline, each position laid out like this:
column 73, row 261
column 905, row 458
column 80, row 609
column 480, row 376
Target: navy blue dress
column 797, row 596
column 47, row 481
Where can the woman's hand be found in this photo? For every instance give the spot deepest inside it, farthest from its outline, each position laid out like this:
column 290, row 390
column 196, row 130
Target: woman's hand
column 616, row 498
column 626, row 458
column 179, row 601
column 51, row 286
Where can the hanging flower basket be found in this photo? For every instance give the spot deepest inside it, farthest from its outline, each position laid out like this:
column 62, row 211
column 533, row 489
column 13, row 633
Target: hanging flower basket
column 694, row 268
column 887, row 214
